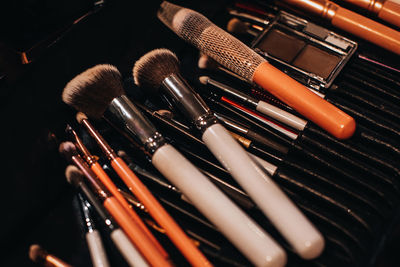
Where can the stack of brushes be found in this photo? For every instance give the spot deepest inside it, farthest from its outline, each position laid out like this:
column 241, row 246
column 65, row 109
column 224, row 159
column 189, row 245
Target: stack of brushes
column 341, row 190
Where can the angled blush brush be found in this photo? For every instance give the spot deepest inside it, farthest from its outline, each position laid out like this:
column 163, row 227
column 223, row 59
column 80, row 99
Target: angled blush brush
column 158, row 72
column 106, row 180
column 131, row 228
column 98, row 92
column 196, row 29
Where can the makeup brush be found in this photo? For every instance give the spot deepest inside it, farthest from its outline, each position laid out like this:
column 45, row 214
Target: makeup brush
column 41, row 256
column 261, row 106
column 158, row 72
column 117, row 235
column 196, row 29
column 387, row 10
column 237, row 26
column 109, row 184
column 92, row 235
column 131, row 228
column 99, row 93
column 350, row 22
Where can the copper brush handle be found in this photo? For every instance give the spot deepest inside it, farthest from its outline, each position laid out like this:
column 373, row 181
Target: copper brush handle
column 352, row 22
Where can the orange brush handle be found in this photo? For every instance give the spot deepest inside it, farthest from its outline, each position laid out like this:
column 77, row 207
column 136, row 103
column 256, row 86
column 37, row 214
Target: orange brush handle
column 390, row 12
column 311, row 106
column 367, row 29
column 135, row 233
column 172, row 229
column 56, row 262
column 106, row 180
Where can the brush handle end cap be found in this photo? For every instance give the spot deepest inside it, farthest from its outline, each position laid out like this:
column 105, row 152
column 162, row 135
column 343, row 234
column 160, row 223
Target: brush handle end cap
column 312, row 248
column 346, row 129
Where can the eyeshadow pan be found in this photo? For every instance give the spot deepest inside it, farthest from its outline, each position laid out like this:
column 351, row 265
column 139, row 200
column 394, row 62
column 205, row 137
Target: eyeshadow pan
column 315, row 60
column 281, row 45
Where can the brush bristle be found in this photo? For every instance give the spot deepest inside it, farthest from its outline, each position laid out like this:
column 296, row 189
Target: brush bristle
column 236, row 26
column 80, row 116
column 67, row 149
column 73, row 174
column 152, row 68
column 36, row 253
column 92, row 91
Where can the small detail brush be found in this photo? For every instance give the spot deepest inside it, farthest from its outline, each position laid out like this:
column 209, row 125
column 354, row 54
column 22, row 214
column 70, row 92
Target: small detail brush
column 39, row 255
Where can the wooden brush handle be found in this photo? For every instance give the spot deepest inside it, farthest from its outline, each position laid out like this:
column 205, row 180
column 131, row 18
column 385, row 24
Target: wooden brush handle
column 235, row 225
column 106, row 180
column 160, row 215
column 272, row 201
column 390, row 12
column 135, row 233
column 308, row 104
column 128, row 251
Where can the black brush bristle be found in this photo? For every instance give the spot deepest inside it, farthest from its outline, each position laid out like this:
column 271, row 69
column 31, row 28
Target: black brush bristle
column 152, row 68
column 92, row 91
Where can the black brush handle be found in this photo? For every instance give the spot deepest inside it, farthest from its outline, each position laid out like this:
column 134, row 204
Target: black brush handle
column 340, row 179
column 351, row 147
column 366, row 117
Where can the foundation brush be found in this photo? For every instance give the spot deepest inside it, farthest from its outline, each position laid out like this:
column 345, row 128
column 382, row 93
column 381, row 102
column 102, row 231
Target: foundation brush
column 99, row 93
column 158, row 72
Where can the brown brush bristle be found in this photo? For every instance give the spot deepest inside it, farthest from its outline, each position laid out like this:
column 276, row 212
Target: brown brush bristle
column 67, row 149
column 152, row 68
column 92, row 91
column 80, row 116
column 37, row 254
column 73, row 174
column 236, row 26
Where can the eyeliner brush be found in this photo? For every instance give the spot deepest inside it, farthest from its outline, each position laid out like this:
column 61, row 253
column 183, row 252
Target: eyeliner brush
column 92, row 236
column 109, row 184
column 261, row 106
column 131, row 228
column 117, row 235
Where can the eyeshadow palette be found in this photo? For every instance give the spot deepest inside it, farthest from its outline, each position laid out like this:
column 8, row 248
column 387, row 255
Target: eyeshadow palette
column 309, row 53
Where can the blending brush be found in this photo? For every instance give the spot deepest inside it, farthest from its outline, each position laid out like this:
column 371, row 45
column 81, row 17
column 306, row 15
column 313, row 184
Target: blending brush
column 92, row 235
column 98, row 92
column 106, row 180
column 39, row 255
column 158, row 72
column 196, row 29
column 131, row 228
column 132, row 256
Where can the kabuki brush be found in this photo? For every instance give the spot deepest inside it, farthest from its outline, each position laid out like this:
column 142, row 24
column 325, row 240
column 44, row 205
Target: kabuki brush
column 39, row 255
column 109, row 184
column 130, row 227
column 196, row 29
column 158, row 72
column 91, row 205
column 98, row 92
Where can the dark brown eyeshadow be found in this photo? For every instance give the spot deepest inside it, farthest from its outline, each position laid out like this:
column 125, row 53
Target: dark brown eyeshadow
column 281, row 45
column 315, row 60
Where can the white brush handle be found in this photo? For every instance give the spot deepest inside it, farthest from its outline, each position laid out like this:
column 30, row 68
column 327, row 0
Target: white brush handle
column 232, row 222
column 282, row 212
column 127, row 249
column 281, row 115
column 96, row 249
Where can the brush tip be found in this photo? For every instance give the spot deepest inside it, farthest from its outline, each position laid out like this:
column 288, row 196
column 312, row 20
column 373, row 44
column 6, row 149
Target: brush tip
column 236, row 26
column 36, row 253
column 92, row 90
column 205, row 62
column 80, row 116
column 153, row 67
column 72, row 174
column 204, row 79
column 67, row 149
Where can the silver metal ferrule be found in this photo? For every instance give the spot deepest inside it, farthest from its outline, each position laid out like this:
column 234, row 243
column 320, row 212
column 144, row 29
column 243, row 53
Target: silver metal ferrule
column 188, row 101
column 154, row 142
column 125, row 115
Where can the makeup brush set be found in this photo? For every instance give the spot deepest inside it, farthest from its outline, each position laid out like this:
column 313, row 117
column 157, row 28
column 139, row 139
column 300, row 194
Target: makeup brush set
column 269, row 138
